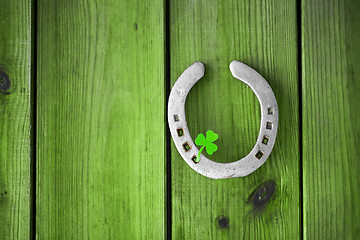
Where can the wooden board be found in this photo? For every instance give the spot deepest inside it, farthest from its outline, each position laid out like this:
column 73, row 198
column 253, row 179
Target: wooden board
column 331, row 121
column 100, row 112
column 262, row 34
column 15, row 137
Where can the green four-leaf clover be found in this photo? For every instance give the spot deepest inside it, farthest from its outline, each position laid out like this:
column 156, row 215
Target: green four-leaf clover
column 207, row 142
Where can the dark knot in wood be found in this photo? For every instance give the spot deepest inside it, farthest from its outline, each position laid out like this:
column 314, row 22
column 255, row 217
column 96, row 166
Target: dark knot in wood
column 223, row 221
column 262, row 194
column 4, row 82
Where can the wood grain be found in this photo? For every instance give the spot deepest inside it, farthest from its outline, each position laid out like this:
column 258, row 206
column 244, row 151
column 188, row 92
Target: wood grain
column 101, row 128
column 331, row 120
column 15, row 62
column 262, row 34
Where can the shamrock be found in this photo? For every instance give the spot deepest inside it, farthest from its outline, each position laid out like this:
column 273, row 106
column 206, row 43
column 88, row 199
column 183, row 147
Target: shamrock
column 207, row 142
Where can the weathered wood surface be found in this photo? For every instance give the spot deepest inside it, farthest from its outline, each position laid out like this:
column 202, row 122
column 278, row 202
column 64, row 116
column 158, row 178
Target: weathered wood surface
column 331, row 119
column 101, row 139
column 100, row 112
column 15, row 69
column 262, row 34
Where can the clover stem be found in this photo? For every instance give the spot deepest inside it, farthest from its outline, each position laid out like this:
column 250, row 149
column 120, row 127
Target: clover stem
column 198, row 157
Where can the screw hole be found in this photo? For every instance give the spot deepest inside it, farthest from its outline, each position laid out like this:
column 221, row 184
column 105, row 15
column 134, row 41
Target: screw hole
column 186, row 147
column 180, row 132
column 270, row 111
column 269, row 125
column 265, row 140
column 176, row 118
column 259, row 154
column 195, row 160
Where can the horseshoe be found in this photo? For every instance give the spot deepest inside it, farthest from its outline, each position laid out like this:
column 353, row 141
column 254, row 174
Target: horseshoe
column 181, row 135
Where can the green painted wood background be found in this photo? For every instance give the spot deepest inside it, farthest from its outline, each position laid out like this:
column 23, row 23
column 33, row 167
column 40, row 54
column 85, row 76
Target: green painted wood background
column 215, row 33
column 100, row 120
column 15, row 112
column 331, row 121
column 84, row 150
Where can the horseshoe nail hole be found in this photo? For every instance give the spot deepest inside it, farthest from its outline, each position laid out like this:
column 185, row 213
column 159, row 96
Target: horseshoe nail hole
column 194, row 159
column 265, row 140
column 180, row 132
column 259, row 154
column 269, row 125
column 223, row 221
column 270, row 111
column 176, row 118
column 186, row 147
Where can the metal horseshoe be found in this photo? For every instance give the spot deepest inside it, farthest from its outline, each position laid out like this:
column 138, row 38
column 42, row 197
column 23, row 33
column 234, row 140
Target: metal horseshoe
column 181, row 135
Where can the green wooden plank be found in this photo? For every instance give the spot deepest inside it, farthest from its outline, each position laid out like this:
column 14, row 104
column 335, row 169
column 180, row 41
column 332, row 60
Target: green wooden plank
column 15, row 62
column 101, row 120
column 331, row 122
column 262, row 34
